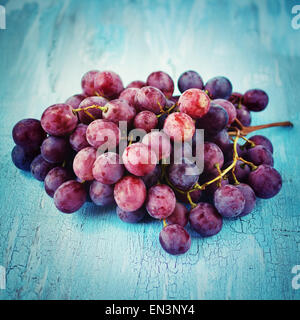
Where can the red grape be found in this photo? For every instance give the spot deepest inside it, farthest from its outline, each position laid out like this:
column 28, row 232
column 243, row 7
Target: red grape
column 180, row 215
column 78, row 138
column 55, row 178
column 108, row 84
column 161, row 81
column 129, row 95
column 150, row 98
column 194, row 102
column 158, row 142
column 70, row 196
column 229, row 107
column 101, row 194
column 87, row 82
column 145, row 120
column 59, row 120
column 130, row 193
column 87, row 116
column 75, row 100
column 212, row 156
column 83, row 163
column 119, row 110
column 136, row 84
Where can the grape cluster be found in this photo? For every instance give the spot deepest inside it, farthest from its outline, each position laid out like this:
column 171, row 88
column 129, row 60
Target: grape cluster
column 76, row 150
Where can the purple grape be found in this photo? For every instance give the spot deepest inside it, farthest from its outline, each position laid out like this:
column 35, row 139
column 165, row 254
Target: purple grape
column 119, row 110
column 70, row 196
column 228, row 154
column 78, row 138
column 131, row 216
column 145, row 120
column 180, row 215
column 180, row 151
column 235, row 98
column 40, row 167
column 250, row 198
column 265, row 181
column 101, row 194
column 262, row 141
column 152, row 178
column 161, row 120
column 211, row 188
column 260, row 155
column 161, row 201
column 229, row 107
column 75, row 100
column 229, row 201
column 212, row 155
column 205, row 219
column 214, row 121
column 55, row 178
column 55, row 149
column 219, row 88
column 196, row 196
column 241, row 171
column 175, row 239
column 90, row 115
column 130, row 193
column 108, row 84
column 22, row 158
column 221, row 139
column 28, row 134
column 161, row 81
column 188, row 80
column 59, row 120
column 107, row 168
column 150, row 98
column 243, row 115
column 255, row 100
column 183, row 176
column 87, row 82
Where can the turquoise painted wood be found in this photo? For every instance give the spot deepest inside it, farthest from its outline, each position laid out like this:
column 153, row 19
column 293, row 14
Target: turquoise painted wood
column 44, row 51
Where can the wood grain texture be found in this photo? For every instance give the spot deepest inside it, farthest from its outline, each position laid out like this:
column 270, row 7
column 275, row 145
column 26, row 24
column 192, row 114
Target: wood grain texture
column 44, row 51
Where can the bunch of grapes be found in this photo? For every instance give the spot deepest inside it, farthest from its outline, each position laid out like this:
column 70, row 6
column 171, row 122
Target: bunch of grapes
column 81, row 153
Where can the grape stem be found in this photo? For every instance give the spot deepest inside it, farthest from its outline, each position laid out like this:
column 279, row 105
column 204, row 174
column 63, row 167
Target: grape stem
column 104, row 109
column 162, row 111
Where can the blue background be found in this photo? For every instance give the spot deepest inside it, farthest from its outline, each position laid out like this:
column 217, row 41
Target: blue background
column 44, row 51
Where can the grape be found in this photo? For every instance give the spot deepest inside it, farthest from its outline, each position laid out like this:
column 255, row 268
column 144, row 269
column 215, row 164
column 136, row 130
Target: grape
column 263, row 141
column 243, row 115
column 108, row 84
column 159, row 143
column 78, row 138
column 152, row 178
column 89, row 115
column 260, row 155
column 161, row 120
column 241, row 171
column 129, row 95
column 211, row 188
column 28, row 134
column 229, row 201
column 161, row 201
column 219, row 88
column 139, row 159
column 179, row 127
column 131, row 216
column 107, row 168
column 59, row 120
column 136, row 84
column 119, row 110
column 250, row 198
column 55, row 178
column 150, row 98
column 255, row 100
column 87, row 82
column 183, row 176
column 22, row 158
column 130, row 193
column 228, row 154
column 145, row 120
column 75, row 100
column 189, row 80
column 265, row 181
column 194, row 102
column 83, row 163
column 205, row 220
column 181, row 150
column 102, row 131
column 70, row 196
column 180, row 215
column 174, row 99
column 221, row 139
column 229, row 107
column 214, row 121
column 161, row 81
column 101, row 194
column 212, row 155
column 55, row 149
column 236, row 98
column 175, row 239
column 40, row 167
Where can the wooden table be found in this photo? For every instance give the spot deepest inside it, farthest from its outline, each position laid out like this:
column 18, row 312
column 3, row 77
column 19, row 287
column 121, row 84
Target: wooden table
column 44, row 51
